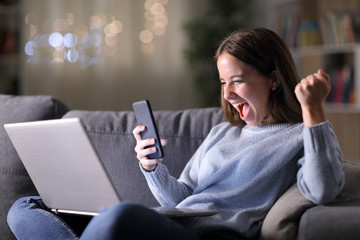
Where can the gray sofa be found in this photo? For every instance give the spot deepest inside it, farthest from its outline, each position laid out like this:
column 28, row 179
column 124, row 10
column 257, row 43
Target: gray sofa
column 292, row 217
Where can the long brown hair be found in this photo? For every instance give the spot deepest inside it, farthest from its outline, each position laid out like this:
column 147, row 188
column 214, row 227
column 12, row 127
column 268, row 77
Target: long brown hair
column 265, row 51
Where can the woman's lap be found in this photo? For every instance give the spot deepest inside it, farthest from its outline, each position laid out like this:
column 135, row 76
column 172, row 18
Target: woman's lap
column 133, row 221
column 29, row 218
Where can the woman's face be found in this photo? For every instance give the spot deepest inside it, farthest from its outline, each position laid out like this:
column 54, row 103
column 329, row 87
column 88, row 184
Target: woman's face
column 245, row 89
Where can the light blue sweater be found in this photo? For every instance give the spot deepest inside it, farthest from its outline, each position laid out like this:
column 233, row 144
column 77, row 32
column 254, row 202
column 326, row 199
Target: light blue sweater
column 242, row 172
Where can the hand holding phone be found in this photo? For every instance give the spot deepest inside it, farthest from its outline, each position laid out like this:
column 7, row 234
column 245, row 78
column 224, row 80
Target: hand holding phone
column 144, row 116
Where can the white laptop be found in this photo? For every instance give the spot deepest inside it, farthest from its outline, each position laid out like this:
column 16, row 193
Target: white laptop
column 66, row 170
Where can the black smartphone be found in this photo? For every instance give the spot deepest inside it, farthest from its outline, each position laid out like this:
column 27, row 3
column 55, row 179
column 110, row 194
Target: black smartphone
column 144, row 116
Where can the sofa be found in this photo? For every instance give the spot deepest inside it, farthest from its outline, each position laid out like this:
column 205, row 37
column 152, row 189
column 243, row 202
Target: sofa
column 292, row 216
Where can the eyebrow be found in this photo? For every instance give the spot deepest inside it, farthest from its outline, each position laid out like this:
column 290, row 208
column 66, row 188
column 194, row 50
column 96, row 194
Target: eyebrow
column 235, row 76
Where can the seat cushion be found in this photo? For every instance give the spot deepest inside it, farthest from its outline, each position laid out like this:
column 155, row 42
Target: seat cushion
column 14, row 180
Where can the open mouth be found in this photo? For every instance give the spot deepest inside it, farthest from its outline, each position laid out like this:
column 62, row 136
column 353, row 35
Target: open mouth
column 243, row 109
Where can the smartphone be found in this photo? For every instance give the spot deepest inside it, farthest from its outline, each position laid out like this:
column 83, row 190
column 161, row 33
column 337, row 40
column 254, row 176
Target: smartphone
column 144, row 116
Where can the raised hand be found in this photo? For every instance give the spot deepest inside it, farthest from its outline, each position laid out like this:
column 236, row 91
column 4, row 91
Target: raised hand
column 143, row 151
column 311, row 92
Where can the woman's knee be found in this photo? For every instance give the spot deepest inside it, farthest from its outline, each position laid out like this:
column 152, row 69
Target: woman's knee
column 124, row 211
column 20, row 208
column 117, row 221
column 20, row 212
column 29, row 216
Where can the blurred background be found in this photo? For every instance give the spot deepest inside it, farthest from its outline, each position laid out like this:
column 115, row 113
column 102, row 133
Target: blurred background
column 105, row 54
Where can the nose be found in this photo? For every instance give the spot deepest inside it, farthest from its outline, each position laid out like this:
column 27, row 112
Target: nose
column 227, row 91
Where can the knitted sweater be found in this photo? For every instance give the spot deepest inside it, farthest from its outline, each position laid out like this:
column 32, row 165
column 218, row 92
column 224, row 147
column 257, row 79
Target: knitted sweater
column 242, row 171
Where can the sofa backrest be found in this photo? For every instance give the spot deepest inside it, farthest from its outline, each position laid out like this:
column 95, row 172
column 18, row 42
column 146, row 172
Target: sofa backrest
column 111, row 134
column 14, row 180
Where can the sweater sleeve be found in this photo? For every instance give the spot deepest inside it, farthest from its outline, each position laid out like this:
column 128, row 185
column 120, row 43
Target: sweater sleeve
column 321, row 176
column 170, row 191
column 167, row 190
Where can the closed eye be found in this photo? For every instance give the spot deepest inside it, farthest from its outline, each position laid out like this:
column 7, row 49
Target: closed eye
column 223, row 83
column 238, row 81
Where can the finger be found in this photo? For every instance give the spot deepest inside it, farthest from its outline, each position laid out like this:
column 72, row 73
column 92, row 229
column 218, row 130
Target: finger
column 321, row 79
column 302, row 89
column 310, row 79
column 324, row 74
column 143, row 153
column 142, row 144
column 163, row 142
column 305, row 83
column 298, row 87
column 314, row 80
column 137, row 131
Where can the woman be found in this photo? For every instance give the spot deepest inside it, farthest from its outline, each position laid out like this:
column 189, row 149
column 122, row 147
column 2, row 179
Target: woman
column 276, row 135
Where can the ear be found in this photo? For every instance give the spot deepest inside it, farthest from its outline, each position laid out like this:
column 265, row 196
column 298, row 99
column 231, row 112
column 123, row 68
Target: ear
column 275, row 82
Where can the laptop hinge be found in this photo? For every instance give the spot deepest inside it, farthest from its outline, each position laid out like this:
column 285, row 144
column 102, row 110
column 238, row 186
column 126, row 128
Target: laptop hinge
column 57, row 211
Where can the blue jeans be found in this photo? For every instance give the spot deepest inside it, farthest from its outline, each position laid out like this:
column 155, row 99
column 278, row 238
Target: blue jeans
column 29, row 218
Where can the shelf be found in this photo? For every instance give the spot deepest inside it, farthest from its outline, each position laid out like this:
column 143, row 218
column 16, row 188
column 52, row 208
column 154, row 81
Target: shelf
column 340, row 60
column 341, row 108
column 324, row 49
column 342, row 63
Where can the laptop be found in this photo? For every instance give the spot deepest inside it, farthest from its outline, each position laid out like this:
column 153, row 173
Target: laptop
column 66, row 169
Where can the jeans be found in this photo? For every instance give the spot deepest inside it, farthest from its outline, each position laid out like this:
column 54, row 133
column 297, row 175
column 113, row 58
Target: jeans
column 29, row 219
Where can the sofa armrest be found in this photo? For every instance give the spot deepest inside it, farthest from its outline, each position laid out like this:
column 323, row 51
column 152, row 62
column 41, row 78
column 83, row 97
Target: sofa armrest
column 338, row 220
column 282, row 221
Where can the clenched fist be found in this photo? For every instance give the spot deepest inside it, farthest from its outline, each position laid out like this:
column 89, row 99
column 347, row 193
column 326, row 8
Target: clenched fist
column 311, row 92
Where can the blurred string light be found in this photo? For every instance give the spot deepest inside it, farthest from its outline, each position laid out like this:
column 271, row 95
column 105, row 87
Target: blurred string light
column 156, row 21
column 62, row 41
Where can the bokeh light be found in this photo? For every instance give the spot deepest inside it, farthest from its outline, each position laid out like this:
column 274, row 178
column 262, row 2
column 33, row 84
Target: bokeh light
column 70, row 40
column 65, row 40
column 72, row 55
column 29, row 48
column 56, row 40
column 70, row 19
column 146, row 36
column 156, row 21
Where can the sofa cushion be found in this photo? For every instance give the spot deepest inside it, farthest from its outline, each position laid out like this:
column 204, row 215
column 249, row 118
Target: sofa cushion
column 111, row 134
column 283, row 219
column 351, row 190
column 14, row 180
column 281, row 223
